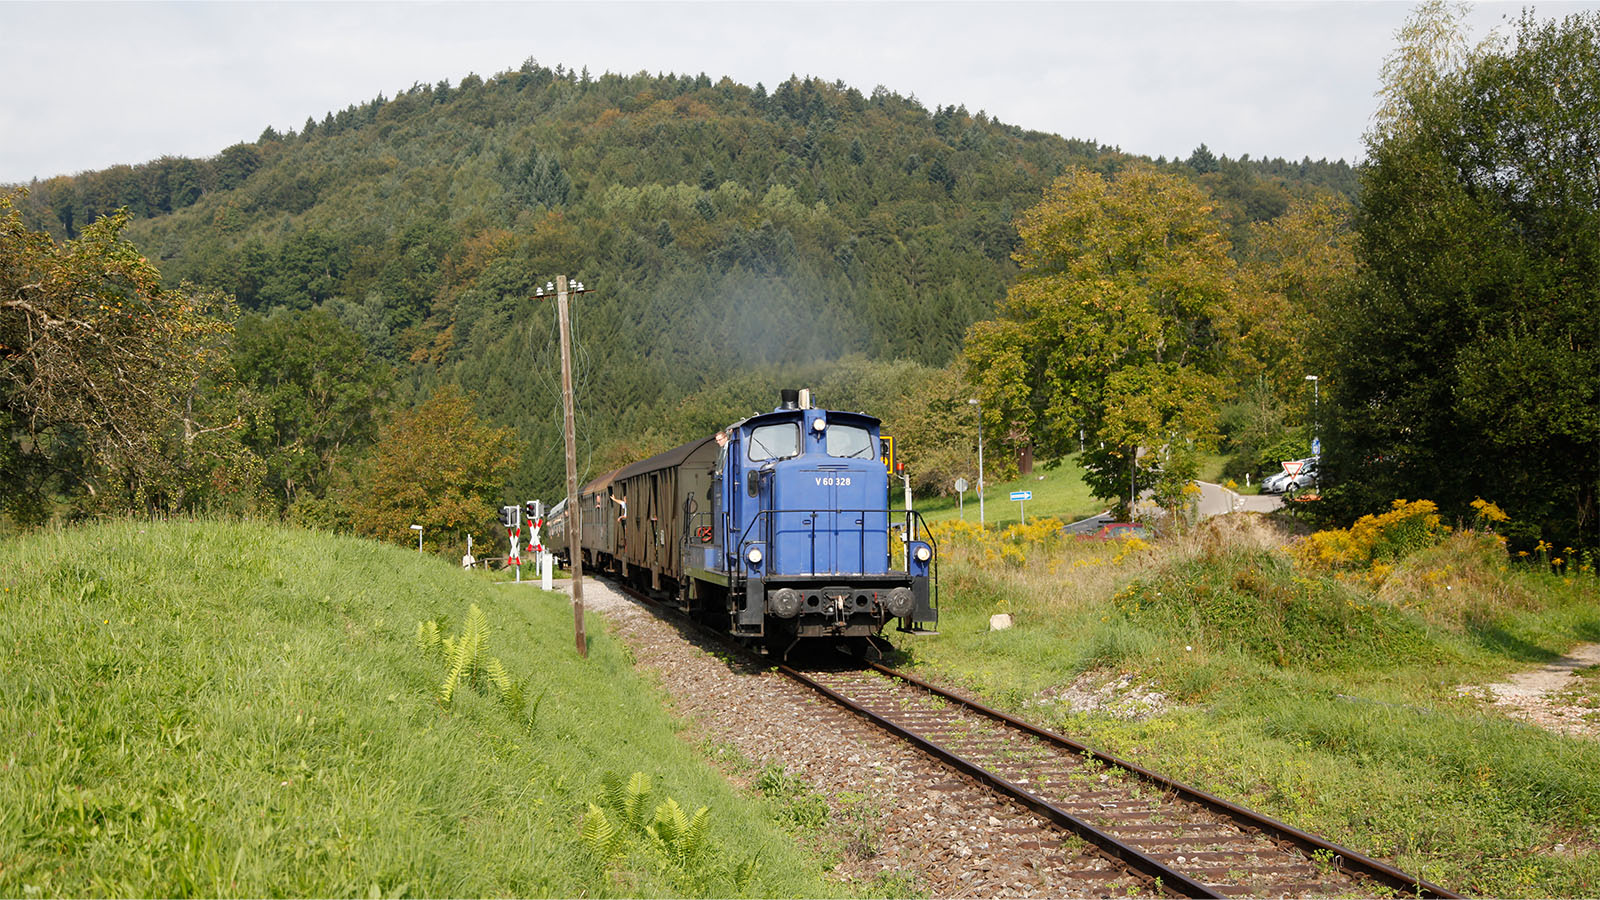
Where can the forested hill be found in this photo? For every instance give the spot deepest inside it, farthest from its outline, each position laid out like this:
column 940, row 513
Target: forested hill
column 721, row 229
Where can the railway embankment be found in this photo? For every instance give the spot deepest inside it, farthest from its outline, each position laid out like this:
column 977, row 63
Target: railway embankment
column 244, row 710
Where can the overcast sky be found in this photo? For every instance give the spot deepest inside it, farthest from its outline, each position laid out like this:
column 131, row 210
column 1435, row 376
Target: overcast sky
column 88, row 85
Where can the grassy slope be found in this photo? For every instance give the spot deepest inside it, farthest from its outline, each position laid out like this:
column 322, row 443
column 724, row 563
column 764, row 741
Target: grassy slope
column 241, row 710
column 1058, row 492
column 1311, row 698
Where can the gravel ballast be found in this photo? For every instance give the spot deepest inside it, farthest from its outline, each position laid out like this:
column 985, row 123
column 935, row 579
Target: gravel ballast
column 896, row 816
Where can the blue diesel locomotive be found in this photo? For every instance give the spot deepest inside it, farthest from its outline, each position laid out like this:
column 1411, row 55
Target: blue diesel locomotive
column 776, row 528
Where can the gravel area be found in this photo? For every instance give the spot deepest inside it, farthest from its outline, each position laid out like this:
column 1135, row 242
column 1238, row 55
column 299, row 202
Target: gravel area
column 899, row 821
column 1540, row 696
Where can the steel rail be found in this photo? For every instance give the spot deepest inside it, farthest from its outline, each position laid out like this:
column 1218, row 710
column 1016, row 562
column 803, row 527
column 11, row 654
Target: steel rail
column 1364, row 865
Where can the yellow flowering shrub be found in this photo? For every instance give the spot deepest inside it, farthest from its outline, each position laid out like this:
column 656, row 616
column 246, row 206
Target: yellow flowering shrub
column 956, row 531
column 1407, row 527
column 1486, row 515
column 1129, row 547
column 1043, row 532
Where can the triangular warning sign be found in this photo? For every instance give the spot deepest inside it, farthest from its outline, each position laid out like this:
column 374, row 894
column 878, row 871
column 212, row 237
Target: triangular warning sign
column 1292, row 468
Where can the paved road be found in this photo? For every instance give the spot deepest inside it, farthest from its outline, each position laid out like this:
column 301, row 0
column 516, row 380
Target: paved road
column 1216, row 500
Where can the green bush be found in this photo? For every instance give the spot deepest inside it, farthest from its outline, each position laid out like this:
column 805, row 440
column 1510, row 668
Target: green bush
column 1252, row 602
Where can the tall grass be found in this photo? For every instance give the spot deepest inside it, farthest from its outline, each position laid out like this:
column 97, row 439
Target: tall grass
column 239, row 710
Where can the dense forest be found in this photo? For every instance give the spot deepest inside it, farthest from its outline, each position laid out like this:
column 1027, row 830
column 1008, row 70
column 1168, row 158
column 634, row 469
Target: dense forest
column 722, row 229
column 733, row 240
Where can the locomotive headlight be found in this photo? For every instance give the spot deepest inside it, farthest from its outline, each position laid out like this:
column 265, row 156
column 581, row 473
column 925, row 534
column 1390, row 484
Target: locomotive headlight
column 754, row 555
column 899, row 602
column 924, row 553
column 818, row 424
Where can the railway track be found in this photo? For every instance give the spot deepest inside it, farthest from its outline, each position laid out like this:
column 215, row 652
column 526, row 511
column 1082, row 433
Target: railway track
column 1179, row 839
column 1188, row 841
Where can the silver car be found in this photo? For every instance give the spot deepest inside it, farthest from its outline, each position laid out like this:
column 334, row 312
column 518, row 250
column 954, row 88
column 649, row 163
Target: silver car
column 1283, row 483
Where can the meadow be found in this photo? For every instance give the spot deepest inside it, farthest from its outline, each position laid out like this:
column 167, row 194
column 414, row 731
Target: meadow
column 1058, row 492
column 243, row 710
column 1319, row 688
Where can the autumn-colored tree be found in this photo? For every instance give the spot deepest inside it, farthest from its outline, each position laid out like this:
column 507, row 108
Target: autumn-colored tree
column 1297, row 265
column 100, row 367
column 1112, row 328
column 438, row 467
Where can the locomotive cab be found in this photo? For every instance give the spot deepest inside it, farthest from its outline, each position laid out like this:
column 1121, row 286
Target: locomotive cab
column 807, row 544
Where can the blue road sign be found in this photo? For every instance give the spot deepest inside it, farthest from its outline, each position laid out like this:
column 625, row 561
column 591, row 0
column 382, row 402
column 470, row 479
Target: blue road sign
column 1022, row 495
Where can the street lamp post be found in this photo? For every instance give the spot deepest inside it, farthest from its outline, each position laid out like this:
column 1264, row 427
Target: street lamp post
column 974, row 402
column 1316, row 414
column 418, row 530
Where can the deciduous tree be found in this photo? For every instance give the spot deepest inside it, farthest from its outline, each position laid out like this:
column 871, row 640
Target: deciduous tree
column 438, row 467
column 1464, row 364
column 1112, row 326
column 311, row 397
column 99, row 369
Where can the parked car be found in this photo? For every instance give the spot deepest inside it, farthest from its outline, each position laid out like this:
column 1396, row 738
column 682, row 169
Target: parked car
column 1284, row 483
column 1117, row 531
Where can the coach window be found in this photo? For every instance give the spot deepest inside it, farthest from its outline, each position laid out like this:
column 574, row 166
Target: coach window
column 850, row 442
column 774, row 441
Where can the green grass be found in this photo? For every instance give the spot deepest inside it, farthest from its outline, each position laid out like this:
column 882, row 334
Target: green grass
column 1058, row 492
column 241, row 710
column 1312, row 698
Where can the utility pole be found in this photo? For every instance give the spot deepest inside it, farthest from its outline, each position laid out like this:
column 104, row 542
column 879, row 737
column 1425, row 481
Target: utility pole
column 574, row 512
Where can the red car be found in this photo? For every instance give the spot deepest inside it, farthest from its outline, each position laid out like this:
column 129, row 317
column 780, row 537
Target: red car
column 1112, row 531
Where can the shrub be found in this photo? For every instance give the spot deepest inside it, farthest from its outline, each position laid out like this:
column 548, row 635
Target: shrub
column 1374, row 541
column 1251, row 601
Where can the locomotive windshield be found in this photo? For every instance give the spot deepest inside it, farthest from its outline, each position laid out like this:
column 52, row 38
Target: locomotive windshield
column 850, row 442
column 779, row 441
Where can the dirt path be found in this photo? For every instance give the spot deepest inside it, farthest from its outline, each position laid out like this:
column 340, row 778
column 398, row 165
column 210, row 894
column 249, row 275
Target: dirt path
column 1539, row 696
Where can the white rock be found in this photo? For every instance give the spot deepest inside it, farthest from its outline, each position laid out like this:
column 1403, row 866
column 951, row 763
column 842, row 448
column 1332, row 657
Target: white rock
column 999, row 622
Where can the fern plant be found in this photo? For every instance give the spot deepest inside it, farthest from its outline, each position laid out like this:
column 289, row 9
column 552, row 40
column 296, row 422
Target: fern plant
column 428, row 636
column 469, row 663
column 465, row 655
column 630, row 799
column 744, row 874
column 680, row 836
column 678, row 840
column 601, row 835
